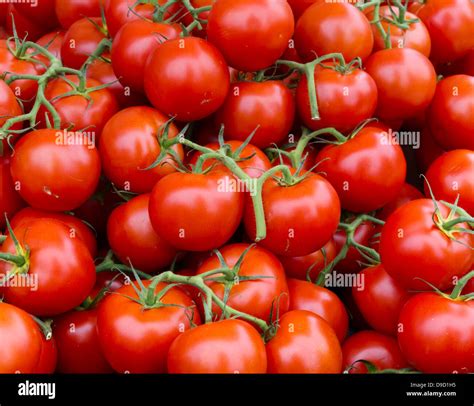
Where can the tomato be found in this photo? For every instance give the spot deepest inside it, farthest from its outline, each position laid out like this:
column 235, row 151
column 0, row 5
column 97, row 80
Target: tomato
column 196, row 212
column 132, row 45
column 111, row 280
column 429, row 150
column 136, row 339
column 380, row 350
column 267, row 107
column 412, row 246
column 380, row 300
column 323, row 28
column 48, row 358
column 367, row 171
column 407, row 194
column 251, row 34
column 76, row 112
column 11, row 201
column 449, row 113
column 450, row 176
column 133, row 239
column 21, row 341
column 462, row 66
column 304, row 343
column 344, row 99
column 186, row 78
column 298, row 267
column 437, row 334
column 300, row 218
column 52, row 41
column 299, row 6
column 58, row 273
column 55, row 170
column 451, row 27
column 78, row 344
column 406, row 82
column 129, row 145
column 257, row 297
column 68, row 12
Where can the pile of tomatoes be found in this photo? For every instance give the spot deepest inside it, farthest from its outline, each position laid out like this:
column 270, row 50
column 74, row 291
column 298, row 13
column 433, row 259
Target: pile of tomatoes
column 221, row 186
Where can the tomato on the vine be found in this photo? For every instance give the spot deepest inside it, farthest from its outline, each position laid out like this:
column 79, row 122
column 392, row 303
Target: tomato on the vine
column 11, row 200
column 68, row 12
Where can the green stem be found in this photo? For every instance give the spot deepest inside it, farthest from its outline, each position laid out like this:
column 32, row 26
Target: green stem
column 461, row 284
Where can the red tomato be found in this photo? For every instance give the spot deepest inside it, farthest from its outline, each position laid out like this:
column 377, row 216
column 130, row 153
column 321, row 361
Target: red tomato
column 380, row 350
column 436, row 334
column 225, row 347
column 429, row 150
column 111, row 280
column 48, row 358
column 68, row 12
column 267, row 107
column 380, row 300
column 323, row 28
column 251, row 34
column 136, row 339
column 462, row 66
column 196, row 212
column 406, row 82
column 58, row 272
column 407, row 194
column 78, row 344
column 299, row 6
column 54, row 171
column 304, row 343
column 450, row 112
column 9, row 108
column 412, row 246
column 129, row 145
column 11, row 201
column 52, row 42
column 133, row 239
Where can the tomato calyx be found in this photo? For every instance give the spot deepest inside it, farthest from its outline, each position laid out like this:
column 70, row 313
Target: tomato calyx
column 45, row 327
column 456, row 294
column 20, row 260
column 373, row 369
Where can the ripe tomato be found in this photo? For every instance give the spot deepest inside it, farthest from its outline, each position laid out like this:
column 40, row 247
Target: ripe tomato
column 407, row 194
column 406, row 82
column 78, row 345
column 429, row 150
column 186, row 78
column 11, row 201
column 9, row 108
column 436, row 334
column 133, row 239
column 300, row 218
column 367, row 171
column 54, row 171
column 58, row 273
column 48, row 358
column 450, row 112
column 225, row 347
column 251, row 34
column 257, row 297
column 52, row 41
column 196, row 212
column 412, row 246
column 299, row 6
column 344, row 99
column 380, row 350
column 22, row 343
column 267, row 107
column 323, row 28
column 129, row 145
column 68, row 12
column 304, row 343
column 451, row 175
column 380, row 300
column 136, row 339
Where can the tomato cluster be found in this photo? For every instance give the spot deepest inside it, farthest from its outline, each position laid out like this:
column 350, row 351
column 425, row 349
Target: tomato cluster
column 233, row 186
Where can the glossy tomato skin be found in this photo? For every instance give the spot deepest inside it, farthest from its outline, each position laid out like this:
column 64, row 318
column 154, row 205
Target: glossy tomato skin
column 257, row 297
column 380, row 350
column 129, row 145
column 436, row 334
column 344, row 99
column 225, row 347
column 251, row 34
column 132, row 46
column 136, row 340
column 49, row 356
column 380, row 300
column 300, row 218
column 65, row 176
column 133, row 239
column 21, row 341
column 11, row 201
column 195, row 212
column 267, row 107
column 406, row 82
column 413, row 246
column 450, row 112
column 323, row 27
column 61, row 265
column 77, row 339
column 304, row 343
column 367, row 171
column 68, row 12
column 450, row 176
column 186, row 78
